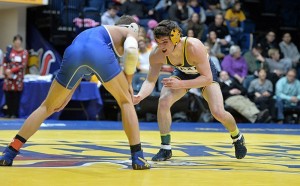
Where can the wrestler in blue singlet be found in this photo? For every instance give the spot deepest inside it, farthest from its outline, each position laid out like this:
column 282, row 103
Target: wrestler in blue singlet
column 91, row 52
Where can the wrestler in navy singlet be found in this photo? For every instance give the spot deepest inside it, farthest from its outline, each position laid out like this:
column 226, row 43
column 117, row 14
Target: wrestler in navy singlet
column 91, row 52
column 187, row 71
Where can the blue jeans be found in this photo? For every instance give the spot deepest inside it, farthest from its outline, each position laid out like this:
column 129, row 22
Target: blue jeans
column 282, row 106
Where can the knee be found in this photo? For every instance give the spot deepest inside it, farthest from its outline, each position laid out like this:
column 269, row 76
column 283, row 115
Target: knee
column 49, row 108
column 218, row 113
column 279, row 101
column 164, row 102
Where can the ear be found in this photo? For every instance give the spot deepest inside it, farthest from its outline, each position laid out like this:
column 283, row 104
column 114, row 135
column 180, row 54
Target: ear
column 175, row 36
column 134, row 27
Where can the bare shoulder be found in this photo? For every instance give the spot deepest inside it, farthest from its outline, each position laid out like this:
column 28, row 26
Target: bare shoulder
column 194, row 45
column 196, row 51
column 156, row 56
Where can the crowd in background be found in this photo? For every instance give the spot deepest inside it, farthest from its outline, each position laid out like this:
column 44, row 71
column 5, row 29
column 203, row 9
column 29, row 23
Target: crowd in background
column 261, row 76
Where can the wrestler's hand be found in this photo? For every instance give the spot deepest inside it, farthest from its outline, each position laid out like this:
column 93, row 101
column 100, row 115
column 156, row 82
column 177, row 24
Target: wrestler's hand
column 172, row 83
column 136, row 99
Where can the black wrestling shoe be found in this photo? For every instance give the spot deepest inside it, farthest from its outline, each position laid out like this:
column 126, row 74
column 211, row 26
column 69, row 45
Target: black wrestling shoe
column 162, row 155
column 240, row 147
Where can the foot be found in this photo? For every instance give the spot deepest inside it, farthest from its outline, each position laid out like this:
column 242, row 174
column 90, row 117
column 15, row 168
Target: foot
column 162, row 155
column 138, row 161
column 262, row 116
column 7, row 157
column 240, row 148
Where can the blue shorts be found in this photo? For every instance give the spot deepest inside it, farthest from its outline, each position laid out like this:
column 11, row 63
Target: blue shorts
column 90, row 53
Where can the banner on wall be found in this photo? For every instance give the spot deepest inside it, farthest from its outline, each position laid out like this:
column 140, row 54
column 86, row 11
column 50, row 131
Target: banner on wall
column 44, row 59
column 36, row 2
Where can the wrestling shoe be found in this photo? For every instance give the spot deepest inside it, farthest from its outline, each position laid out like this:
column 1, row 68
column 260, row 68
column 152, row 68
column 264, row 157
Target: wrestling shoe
column 7, row 157
column 162, row 155
column 239, row 145
column 138, row 161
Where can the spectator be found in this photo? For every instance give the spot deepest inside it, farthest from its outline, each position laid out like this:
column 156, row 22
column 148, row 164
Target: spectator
column 194, row 4
column 268, row 42
column 137, row 9
column 221, row 31
column 195, row 25
column 261, row 93
column 144, row 53
column 14, row 66
column 235, row 18
column 214, row 44
column 235, row 64
column 151, row 25
column 255, row 62
column 277, row 67
column 234, row 96
column 1, row 57
column 180, row 12
column 190, row 33
column 110, row 17
column 289, row 49
column 1, row 65
column 162, row 8
column 213, row 58
column 213, row 7
column 226, row 4
column 287, row 93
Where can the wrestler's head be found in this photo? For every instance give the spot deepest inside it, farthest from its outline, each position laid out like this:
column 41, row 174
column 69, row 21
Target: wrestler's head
column 129, row 22
column 167, row 35
column 125, row 20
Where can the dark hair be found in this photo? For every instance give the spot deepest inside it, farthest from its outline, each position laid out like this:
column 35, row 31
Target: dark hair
column 18, row 36
column 164, row 28
column 125, row 20
column 262, row 69
column 112, row 6
column 258, row 46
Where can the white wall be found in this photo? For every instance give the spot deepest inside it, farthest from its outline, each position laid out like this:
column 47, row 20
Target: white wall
column 12, row 22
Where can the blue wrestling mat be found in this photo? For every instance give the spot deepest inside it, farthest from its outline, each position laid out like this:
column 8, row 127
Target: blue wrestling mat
column 182, row 126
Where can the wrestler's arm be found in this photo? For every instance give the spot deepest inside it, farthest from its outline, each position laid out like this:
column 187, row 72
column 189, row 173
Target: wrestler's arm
column 197, row 55
column 156, row 62
column 130, row 56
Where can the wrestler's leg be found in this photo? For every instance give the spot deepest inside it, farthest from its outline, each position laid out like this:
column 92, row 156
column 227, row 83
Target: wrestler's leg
column 118, row 87
column 57, row 98
column 167, row 98
column 164, row 117
column 214, row 98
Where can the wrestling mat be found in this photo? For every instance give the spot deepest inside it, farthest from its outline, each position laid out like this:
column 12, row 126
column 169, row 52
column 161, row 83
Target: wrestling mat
column 94, row 153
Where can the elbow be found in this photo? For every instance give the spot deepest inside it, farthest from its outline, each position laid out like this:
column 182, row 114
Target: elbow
column 131, row 51
column 209, row 80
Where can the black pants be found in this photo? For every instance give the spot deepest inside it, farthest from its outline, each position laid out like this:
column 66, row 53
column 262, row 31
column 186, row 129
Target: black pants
column 12, row 99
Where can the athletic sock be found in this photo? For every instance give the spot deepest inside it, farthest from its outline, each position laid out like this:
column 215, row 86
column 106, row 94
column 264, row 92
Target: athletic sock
column 17, row 143
column 165, row 141
column 135, row 148
column 235, row 133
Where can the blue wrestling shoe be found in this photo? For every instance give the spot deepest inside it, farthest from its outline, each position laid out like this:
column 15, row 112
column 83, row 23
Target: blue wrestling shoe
column 138, row 161
column 162, row 155
column 7, row 157
column 240, row 147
